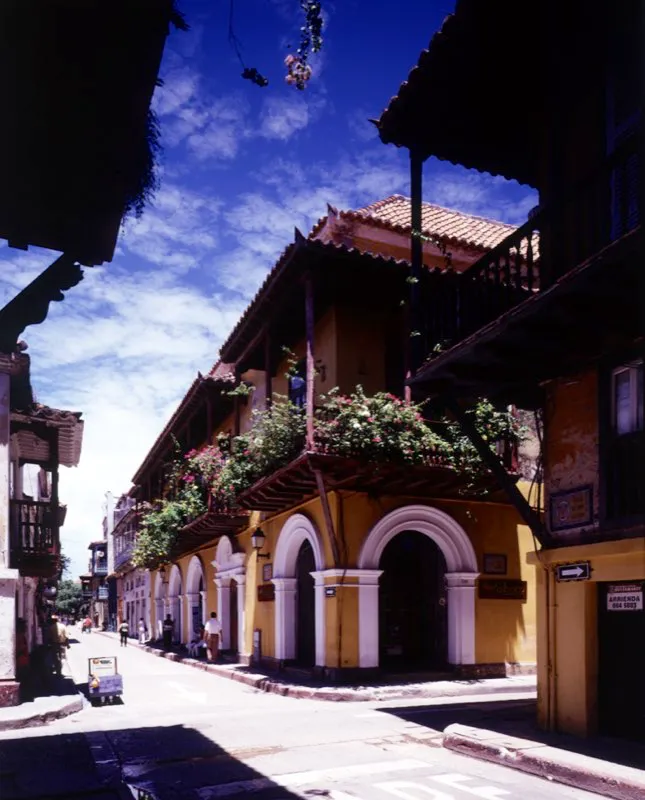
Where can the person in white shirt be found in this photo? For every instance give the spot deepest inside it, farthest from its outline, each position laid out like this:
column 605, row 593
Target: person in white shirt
column 212, row 631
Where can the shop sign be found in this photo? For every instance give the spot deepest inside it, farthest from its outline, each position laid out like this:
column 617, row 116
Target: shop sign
column 266, row 592
column 625, row 597
column 571, row 509
column 506, row 589
column 102, row 667
column 330, row 591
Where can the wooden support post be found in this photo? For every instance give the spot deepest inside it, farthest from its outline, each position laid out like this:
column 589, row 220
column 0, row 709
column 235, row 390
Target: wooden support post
column 492, row 461
column 329, row 522
column 268, row 370
column 54, row 466
column 310, row 376
column 415, row 340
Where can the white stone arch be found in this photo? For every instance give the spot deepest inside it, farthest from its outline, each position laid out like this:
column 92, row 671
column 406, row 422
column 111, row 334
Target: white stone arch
column 160, row 603
column 295, row 531
column 229, row 566
column 461, row 575
column 195, row 597
column 175, row 602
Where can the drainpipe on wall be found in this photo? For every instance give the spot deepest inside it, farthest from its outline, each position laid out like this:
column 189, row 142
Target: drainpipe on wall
column 414, row 339
column 310, row 375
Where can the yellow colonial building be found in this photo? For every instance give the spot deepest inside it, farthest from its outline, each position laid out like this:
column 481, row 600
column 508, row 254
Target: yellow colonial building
column 339, row 565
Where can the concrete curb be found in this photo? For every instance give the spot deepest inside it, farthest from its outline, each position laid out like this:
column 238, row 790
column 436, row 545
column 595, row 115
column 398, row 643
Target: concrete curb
column 562, row 766
column 39, row 712
column 263, row 683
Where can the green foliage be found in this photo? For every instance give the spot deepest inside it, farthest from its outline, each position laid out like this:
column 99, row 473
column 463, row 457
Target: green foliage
column 382, row 427
column 70, row 598
column 243, row 389
column 379, row 429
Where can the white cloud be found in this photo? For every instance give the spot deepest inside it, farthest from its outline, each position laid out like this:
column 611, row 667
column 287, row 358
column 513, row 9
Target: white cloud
column 282, row 117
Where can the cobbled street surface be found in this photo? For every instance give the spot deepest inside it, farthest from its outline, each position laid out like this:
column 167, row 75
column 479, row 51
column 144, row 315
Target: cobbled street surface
column 183, row 733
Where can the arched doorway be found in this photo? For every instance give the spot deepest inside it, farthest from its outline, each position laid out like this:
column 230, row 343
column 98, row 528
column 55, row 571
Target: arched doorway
column 305, row 606
column 233, row 623
column 459, row 579
column 299, row 596
column 195, row 596
column 174, row 602
column 412, row 604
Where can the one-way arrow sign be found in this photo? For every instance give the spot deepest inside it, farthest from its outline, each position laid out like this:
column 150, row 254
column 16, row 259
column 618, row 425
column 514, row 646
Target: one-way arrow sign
column 573, row 572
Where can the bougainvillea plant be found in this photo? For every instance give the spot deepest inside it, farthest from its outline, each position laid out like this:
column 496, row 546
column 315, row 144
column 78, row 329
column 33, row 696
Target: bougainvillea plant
column 379, row 428
column 298, row 68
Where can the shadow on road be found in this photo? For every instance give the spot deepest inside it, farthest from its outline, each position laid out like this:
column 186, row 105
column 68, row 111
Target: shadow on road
column 162, row 763
column 519, row 718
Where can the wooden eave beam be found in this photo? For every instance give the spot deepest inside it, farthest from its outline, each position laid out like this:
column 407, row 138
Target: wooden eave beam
column 490, row 459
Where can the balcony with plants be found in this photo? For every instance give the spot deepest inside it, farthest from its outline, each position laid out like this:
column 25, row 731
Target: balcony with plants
column 35, row 538
column 379, row 444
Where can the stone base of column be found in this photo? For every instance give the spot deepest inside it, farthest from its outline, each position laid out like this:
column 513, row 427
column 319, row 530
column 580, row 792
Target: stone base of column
column 9, row 693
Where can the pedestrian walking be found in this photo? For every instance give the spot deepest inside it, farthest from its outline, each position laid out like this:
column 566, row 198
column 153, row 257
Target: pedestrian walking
column 142, row 631
column 167, row 629
column 124, row 629
column 57, row 642
column 212, row 631
column 87, row 625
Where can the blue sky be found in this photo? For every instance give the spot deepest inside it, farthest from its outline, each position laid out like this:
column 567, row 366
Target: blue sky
column 241, row 167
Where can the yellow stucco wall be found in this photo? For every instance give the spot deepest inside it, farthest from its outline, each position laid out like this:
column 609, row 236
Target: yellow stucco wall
column 568, row 630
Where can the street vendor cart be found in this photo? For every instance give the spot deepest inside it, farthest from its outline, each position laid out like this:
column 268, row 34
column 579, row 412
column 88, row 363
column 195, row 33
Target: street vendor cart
column 104, row 684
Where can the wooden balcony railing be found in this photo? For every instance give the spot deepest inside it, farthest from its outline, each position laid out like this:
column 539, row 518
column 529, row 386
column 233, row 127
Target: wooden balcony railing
column 34, row 534
column 123, row 557
column 596, row 212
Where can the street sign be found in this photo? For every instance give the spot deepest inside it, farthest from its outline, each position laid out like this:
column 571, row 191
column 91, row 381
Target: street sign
column 573, row 572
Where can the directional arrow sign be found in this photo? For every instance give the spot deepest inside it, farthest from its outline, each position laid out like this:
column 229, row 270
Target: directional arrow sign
column 573, row 572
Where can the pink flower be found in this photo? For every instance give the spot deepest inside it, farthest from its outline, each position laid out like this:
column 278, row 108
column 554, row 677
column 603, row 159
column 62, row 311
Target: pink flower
column 377, row 439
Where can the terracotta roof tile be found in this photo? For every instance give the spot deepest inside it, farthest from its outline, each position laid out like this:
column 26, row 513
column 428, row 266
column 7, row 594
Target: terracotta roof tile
column 446, row 223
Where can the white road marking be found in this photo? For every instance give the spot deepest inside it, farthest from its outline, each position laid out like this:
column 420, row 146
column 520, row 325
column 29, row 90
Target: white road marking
column 399, row 789
column 294, row 779
column 457, row 781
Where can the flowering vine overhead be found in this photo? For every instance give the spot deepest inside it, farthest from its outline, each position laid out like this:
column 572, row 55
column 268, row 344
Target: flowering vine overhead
column 298, row 69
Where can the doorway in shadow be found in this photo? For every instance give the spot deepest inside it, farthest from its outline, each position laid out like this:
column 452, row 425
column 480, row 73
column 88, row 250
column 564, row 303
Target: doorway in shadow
column 305, row 607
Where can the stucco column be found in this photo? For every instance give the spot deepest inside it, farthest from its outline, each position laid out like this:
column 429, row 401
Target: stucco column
column 285, row 618
column 179, row 617
column 320, row 615
column 224, row 609
column 368, row 617
column 460, row 588
column 241, row 594
column 159, row 617
column 8, row 577
column 202, row 594
column 191, row 603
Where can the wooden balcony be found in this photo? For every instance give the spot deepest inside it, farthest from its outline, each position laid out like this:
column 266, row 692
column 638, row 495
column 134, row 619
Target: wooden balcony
column 215, row 522
column 35, row 543
column 592, row 216
column 297, row 482
column 122, row 558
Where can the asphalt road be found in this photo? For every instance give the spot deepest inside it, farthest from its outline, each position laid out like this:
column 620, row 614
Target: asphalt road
column 183, row 733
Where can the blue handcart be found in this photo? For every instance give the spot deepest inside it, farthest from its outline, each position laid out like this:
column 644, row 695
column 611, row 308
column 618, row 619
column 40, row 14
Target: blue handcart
column 104, row 683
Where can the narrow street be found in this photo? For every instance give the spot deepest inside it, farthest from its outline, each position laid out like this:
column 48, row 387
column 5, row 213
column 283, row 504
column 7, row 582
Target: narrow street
column 181, row 733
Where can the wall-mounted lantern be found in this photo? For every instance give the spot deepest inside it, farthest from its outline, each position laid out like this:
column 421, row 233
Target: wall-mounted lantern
column 257, row 540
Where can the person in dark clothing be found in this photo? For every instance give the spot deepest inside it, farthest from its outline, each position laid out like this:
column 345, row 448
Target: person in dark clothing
column 123, row 631
column 167, row 629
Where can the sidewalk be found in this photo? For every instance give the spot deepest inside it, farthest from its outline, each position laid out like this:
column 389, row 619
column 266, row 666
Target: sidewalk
column 524, row 684
column 58, row 699
column 609, row 767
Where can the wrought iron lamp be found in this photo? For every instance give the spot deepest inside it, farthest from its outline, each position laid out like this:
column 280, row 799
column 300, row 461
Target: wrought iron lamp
column 257, row 540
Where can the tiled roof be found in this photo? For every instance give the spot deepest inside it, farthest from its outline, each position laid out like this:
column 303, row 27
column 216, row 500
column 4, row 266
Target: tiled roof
column 446, row 223
column 70, row 434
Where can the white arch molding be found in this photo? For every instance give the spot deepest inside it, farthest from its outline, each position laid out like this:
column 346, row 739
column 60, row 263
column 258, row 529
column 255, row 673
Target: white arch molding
column 195, row 574
column 461, row 575
column 176, row 602
column 159, row 603
column 297, row 530
column 229, row 566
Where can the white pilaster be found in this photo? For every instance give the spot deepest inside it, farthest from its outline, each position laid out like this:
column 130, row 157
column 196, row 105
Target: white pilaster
column 191, row 602
column 224, row 609
column 368, row 617
column 285, row 618
column 460, row 588
column 180, row 617
column 202, row 594
column 241, row 593
column 321, row 617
